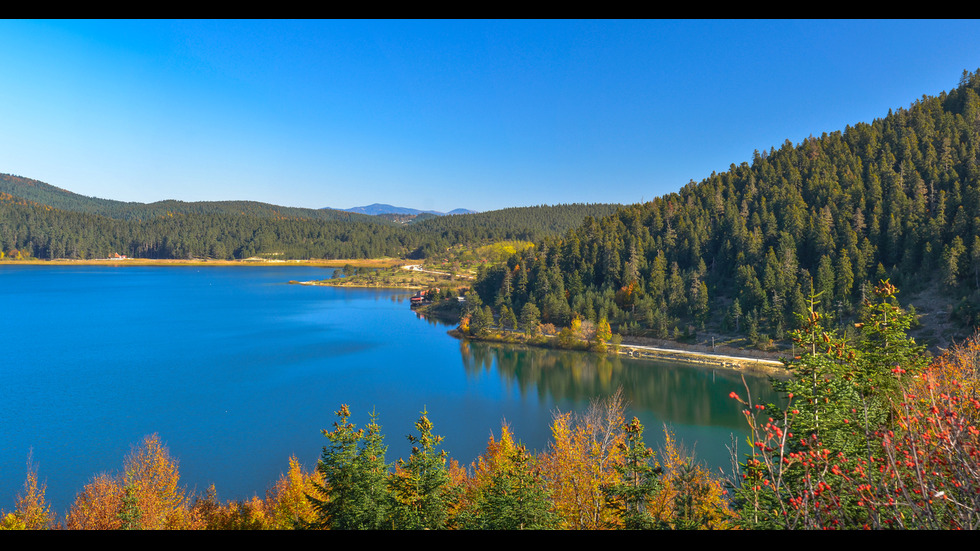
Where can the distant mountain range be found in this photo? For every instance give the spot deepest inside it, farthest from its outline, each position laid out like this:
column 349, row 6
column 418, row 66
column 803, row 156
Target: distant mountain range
column 380, row 208
column 46, row 194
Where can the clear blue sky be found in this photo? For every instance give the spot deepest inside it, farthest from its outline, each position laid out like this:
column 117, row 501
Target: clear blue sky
column 444, row 114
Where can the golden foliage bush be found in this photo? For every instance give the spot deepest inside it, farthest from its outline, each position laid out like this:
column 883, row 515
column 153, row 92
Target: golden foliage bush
column 31, row 512
column 689, row 497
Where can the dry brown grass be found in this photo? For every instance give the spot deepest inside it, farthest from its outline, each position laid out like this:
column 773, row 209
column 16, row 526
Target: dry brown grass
column 336, row 263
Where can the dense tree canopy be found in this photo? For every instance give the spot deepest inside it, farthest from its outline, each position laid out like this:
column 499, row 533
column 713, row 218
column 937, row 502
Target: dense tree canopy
column 72, row 226
column 898, row 197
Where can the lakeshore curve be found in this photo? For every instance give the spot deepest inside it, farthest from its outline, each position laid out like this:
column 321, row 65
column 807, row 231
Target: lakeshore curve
column 738, row 363
column 706, row 359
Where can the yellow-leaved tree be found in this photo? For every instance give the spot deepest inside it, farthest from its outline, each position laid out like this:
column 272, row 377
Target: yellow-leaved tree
column 286, row 502
column 581, row 463
column 689, row 497
column 32, row 512
column 153, row 475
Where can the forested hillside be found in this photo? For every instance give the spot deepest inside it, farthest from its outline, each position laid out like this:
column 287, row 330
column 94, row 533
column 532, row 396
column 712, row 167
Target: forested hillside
column 513, row 224
column 897, row 198
column 41, row 221
column 46, row 194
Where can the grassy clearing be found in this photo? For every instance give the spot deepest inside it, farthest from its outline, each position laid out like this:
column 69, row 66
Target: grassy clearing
column 395, row 277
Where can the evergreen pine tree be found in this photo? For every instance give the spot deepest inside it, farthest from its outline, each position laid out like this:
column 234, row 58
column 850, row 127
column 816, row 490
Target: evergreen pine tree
column 129, row 513
column 515, row 497
column 530, row 319
column 353, row 495
column 640, row 480
column 419, row 484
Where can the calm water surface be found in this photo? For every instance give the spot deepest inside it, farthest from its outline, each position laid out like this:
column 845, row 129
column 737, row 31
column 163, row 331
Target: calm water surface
column 237, row 370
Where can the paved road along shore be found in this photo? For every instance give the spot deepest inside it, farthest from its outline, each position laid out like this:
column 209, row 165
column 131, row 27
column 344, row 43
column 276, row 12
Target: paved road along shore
column 703, row 358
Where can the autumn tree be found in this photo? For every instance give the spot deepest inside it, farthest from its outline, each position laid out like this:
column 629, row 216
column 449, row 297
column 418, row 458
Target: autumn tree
column 208, row 514
column 31, row 512
column 603, row 334
column 507, row 490
column 286, row 502
column 154, row 477
column 581, row 463
column 688, row 497
column 11, row 521
column 97, row 506
column 145, row 495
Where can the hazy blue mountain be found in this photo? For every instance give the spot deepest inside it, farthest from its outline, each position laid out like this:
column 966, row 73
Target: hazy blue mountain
column 381, row 208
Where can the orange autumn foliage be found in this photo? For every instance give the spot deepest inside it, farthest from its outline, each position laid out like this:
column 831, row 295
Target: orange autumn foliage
column 285, row 506
column 953, row 373
column 689, row 496
column 97, row 506
column 459, row 482
column 150, row 479
column 208, row 514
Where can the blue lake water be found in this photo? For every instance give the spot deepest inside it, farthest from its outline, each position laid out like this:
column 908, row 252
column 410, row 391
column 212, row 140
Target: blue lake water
column 236, row 370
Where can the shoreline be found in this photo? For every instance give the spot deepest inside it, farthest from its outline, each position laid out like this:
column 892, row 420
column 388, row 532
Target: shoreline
column 328, row 263
column 321, row 283
column 724, row 361
column 640, row 352
column 395, row 276
column 736, row 363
